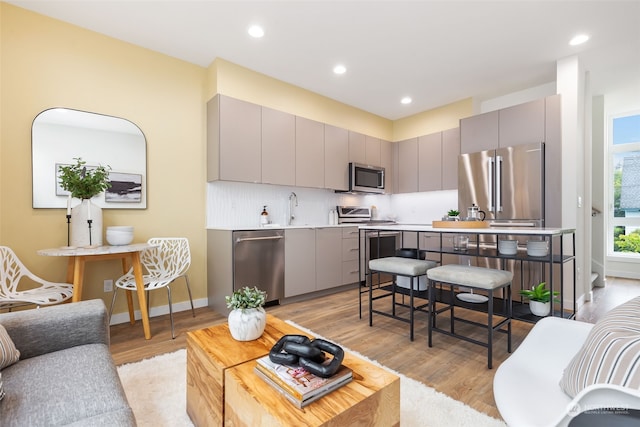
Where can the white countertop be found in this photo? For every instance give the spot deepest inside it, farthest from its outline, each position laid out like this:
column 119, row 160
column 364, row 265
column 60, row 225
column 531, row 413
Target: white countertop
column 491, row 230
column 279, row 227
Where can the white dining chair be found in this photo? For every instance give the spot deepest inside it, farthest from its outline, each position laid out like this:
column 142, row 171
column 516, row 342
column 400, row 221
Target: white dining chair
column 167, row 261
column 15, row 279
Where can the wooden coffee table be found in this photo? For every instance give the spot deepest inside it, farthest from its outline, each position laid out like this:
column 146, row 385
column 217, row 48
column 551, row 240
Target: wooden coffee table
column 223, row 389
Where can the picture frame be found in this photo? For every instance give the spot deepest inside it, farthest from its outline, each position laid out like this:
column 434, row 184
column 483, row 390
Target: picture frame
column 125, row 188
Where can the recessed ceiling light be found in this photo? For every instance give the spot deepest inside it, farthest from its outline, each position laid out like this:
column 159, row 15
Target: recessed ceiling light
column 256, row 31
column 339, row 69
column 579, row 39
column 406, row 100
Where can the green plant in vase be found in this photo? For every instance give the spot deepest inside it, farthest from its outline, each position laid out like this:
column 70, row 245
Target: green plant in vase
column 247, row 319
column 83, row 182
column 540, row 298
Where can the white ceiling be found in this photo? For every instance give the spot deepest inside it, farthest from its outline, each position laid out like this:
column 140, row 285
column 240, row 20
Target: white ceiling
column 436, row 52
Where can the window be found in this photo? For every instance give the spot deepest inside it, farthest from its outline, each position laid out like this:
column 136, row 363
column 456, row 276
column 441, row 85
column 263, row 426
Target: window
column 624, row 224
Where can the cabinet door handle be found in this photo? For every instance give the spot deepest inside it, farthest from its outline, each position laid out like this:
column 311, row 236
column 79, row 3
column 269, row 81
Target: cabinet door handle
column 252, row 239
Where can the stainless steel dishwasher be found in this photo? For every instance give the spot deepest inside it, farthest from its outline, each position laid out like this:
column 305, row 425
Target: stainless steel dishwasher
column 258, row 260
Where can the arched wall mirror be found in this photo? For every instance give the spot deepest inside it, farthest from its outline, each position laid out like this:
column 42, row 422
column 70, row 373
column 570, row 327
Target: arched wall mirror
column 59, row 135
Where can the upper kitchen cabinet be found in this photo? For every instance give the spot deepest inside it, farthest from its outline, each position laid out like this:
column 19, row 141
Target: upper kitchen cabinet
column 372, row 151
column 233, row 140
column 309, row 153
column 430, row 162
column 357, row 147
column 408, row 166
column 278, row 147
column 479, row 133
column 386, row 161
column 336, row 158
column 522, row 124
column 450, row 153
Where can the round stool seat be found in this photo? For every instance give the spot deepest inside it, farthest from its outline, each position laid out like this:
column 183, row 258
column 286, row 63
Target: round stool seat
column 473, row 277
column 402, row 266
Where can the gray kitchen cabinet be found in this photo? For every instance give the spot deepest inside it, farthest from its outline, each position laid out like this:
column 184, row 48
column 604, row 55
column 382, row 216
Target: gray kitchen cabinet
column 522, row 124
column 553, row 162
column 479, row 133
column 233, row 140
column 386, row 161
column 408, row 166
column 430, row 162
column 372, row 151
column 357, row 147
column 309, row 153
column 450, row 153
column 299, row 261
column 328, row 258
column 278, row 147
column 350, row 252
column 336, row 158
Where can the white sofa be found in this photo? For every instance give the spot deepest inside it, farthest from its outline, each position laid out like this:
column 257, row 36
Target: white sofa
column 526, row 386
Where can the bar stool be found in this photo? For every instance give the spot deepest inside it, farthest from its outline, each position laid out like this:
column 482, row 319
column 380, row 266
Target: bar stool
column 405, row 267
column 486, row 279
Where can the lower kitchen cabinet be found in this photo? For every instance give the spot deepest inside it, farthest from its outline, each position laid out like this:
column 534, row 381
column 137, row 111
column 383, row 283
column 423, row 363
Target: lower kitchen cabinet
column 328, row 258
column 299, row 261
column 316, row 259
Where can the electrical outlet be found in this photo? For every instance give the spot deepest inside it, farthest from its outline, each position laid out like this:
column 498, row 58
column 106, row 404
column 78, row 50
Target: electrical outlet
column 108, row 285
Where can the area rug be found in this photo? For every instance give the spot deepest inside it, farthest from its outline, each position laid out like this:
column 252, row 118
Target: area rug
column 156, row 390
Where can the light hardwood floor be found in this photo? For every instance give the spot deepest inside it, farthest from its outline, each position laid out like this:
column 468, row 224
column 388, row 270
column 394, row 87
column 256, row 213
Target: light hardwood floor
column 451, row 366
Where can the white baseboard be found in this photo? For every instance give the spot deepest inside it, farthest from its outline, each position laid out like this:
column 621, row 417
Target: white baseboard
column 118, row 318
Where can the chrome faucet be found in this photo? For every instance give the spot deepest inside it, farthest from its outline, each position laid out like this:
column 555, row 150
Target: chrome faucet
column 292, row 197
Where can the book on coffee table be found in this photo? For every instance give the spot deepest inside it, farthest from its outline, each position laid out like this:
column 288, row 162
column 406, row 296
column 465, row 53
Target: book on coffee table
column 297, row 384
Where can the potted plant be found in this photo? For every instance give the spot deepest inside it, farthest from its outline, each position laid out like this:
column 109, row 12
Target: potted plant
column 539, row 299
column 247, row 318
column 84, row 182
column 453, row 215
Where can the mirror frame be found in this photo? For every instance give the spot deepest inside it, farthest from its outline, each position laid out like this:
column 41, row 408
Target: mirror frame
column 59, row 135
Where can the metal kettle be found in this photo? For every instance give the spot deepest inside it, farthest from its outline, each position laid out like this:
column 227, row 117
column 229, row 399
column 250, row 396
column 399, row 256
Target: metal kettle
column 475, row 214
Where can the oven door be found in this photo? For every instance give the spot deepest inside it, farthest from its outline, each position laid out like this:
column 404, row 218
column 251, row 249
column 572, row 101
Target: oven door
column 379, row 245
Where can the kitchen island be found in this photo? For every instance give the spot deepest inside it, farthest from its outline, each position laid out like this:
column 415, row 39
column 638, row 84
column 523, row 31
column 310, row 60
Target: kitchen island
column 435, row 243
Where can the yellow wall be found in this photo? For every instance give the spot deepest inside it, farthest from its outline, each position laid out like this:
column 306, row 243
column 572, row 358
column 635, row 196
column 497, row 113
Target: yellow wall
column 47, row 63
column 432, row 121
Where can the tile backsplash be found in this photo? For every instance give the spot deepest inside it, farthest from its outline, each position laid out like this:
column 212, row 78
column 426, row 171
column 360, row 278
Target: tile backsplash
column 236, row 204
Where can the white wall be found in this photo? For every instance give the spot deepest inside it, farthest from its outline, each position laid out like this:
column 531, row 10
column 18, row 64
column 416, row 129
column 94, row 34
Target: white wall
column 236, row 204
column 517, row 98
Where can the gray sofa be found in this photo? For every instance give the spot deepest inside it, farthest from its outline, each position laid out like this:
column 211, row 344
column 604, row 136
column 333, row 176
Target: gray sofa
column 65, row 375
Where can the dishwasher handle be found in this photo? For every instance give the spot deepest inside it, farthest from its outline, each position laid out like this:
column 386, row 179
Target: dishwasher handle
column 251, row 239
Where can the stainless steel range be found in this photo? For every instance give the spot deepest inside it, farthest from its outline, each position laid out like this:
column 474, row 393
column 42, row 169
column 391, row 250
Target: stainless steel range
column 377, row 244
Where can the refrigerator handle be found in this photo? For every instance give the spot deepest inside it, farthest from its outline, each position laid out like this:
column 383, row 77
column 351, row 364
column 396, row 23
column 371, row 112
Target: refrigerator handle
column 491, row 164
column 498, row 165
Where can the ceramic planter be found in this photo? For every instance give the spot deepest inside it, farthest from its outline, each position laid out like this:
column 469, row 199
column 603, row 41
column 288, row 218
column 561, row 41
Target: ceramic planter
column 540, row 308
column 247, row 324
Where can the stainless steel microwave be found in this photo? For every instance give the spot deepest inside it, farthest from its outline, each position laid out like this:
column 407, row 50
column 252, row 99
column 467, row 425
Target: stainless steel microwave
column 366, row 179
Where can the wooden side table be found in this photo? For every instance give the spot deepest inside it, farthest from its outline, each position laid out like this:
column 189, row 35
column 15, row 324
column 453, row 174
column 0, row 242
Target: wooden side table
column 210, row 352
column 223, row 389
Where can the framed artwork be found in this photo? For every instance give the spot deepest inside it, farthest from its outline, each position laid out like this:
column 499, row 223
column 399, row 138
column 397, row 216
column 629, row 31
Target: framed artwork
column 125, row 188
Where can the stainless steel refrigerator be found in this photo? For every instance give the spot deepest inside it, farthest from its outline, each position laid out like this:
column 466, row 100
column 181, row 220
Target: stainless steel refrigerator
column 508, row 185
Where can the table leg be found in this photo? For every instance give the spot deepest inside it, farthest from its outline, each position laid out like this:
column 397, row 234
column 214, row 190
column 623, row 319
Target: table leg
column 78, row 275
column 142, row 299
column 125, row 269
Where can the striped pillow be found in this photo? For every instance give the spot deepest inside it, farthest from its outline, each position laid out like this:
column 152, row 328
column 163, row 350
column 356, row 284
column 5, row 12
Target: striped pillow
column 8, row 352
column 610, row 354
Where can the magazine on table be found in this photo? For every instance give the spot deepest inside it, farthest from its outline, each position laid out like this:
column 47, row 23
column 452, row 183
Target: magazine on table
column 298, row 384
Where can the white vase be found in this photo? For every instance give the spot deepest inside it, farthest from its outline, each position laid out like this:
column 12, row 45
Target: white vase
column 540, row 308
column 80, row 225
column 247, row 324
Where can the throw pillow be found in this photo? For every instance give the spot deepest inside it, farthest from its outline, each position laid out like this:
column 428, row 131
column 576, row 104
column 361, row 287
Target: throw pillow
column 9, row 354
column 610, row 354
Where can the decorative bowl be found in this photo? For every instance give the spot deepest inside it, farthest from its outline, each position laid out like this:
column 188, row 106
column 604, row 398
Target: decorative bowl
column 537, row 248
column 508, row 247
column 119, row 235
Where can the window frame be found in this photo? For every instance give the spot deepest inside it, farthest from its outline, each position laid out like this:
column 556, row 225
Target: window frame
column 613, row 221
